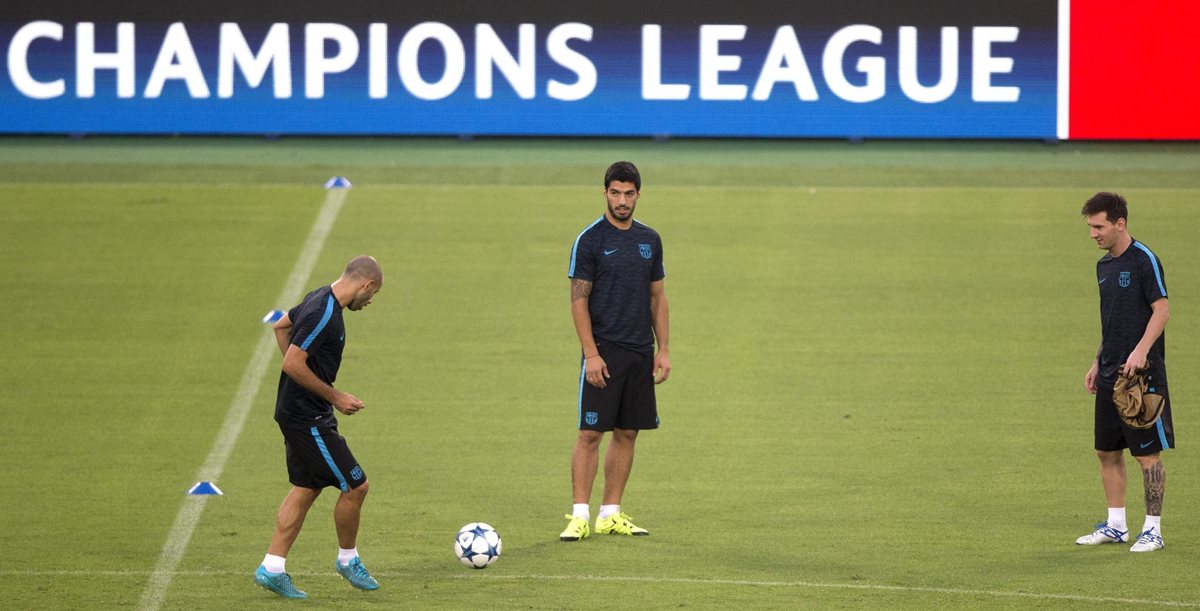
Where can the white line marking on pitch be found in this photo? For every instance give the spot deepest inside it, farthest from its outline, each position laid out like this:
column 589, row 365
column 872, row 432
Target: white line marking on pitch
column 679, row 580
column 189, row 514
column 848, row 586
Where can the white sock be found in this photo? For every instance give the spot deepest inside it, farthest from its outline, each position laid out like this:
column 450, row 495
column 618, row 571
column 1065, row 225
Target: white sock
column 346, row 555
column 1116, row 518
column 609, row 510
column 274, row 564
column 580, row 510
column 1153, row 523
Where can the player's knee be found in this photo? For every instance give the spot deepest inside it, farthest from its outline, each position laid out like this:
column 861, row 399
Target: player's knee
column 304, row 496
column 1110, row 458
column 625, row 435
column 590, row 439
column 1149, row 461
column 360, row 491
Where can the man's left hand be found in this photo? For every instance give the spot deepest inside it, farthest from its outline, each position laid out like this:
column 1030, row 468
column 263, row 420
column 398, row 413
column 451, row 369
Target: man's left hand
column 1135, row 362
column 662, row 368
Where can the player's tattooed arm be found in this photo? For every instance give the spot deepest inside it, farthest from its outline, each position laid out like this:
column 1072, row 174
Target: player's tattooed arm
column 595, row 369
column 580, row 289
column 1155, row 480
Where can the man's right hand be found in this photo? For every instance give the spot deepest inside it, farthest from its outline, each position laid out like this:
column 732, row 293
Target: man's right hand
column 347, row 403
column 1089, row 380
column 595, row 371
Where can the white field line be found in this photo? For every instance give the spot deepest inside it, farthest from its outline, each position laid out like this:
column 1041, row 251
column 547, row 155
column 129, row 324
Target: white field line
column 189, row 513
column 1043, row 596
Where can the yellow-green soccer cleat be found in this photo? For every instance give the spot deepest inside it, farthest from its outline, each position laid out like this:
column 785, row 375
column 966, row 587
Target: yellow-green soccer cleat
column 577, row 529
column 619, row 524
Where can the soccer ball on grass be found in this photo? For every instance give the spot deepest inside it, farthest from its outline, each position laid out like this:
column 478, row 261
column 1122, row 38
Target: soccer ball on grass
column 477, row 545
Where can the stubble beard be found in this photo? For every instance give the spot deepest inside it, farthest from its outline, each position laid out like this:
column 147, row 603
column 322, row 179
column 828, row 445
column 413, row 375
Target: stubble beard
column 613, row 211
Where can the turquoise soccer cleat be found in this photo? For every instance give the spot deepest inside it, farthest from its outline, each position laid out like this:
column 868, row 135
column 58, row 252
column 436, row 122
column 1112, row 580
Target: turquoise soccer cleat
column 357, row 574
column 279, row 583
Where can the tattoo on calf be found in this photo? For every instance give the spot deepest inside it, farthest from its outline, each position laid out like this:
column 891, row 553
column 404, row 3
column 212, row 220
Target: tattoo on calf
column 580, row 289
column 1154, row 479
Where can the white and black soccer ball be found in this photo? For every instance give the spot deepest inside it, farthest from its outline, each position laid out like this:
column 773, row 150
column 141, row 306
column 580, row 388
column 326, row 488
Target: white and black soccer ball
column 477, row 545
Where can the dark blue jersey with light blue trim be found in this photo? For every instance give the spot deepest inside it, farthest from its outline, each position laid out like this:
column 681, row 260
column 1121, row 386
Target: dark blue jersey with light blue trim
column 317, row 328
column 1128, row 285
column 620, row 264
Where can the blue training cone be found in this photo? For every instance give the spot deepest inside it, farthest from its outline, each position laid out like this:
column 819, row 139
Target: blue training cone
column 338, row 182
column 270, row 317
column 204, row 488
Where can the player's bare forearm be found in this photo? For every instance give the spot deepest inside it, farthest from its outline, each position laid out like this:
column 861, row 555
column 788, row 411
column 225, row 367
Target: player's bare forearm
column 595, row 370
column 281, row 338
column 295, row 365
column 1161, row 312
column 661, row 318
column 581, row 291
column 583, row 328
column 283, row 330
column 660, row 321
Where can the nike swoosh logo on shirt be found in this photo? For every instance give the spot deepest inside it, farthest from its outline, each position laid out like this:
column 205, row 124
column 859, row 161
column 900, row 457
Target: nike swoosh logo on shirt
column 609, row 252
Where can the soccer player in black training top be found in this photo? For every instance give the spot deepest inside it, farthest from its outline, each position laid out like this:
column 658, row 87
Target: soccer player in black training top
column 1133, row 314
column 311, row 337
column 620, row 310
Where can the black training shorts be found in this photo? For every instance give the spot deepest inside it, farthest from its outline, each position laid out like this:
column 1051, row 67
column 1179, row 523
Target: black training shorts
column 318, row 457
column 1113, row 435
column 627, row 401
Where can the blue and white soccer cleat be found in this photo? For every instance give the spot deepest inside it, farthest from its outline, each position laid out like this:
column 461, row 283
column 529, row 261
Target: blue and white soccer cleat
column 279, row 583
column 1148, row 541
column 357, row 574
column 1103, row 534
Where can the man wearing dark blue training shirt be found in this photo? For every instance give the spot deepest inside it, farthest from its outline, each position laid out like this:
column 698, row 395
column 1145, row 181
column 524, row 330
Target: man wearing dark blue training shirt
column 311, row 337
column 1133, row 316
column 620, row 311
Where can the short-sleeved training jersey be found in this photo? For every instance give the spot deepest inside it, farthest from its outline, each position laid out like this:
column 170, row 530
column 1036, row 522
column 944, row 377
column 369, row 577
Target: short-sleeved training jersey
column 620, row 264
column 317, row 328
column 1128, row 285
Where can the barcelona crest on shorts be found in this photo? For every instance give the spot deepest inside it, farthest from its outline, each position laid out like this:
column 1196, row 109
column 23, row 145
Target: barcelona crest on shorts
column 591, row 418
column 646, row 251
column 1124, row 279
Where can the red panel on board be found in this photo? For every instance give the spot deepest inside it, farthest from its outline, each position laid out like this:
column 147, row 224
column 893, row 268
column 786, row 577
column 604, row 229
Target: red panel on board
column 1135, row 69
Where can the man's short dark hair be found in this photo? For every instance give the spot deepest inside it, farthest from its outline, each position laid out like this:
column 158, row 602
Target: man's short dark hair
column 364, row 266
column 1112, row 204
column 623, row 171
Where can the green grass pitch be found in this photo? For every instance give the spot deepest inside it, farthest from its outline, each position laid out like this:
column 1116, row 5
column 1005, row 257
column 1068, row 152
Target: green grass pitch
column 876, row 401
